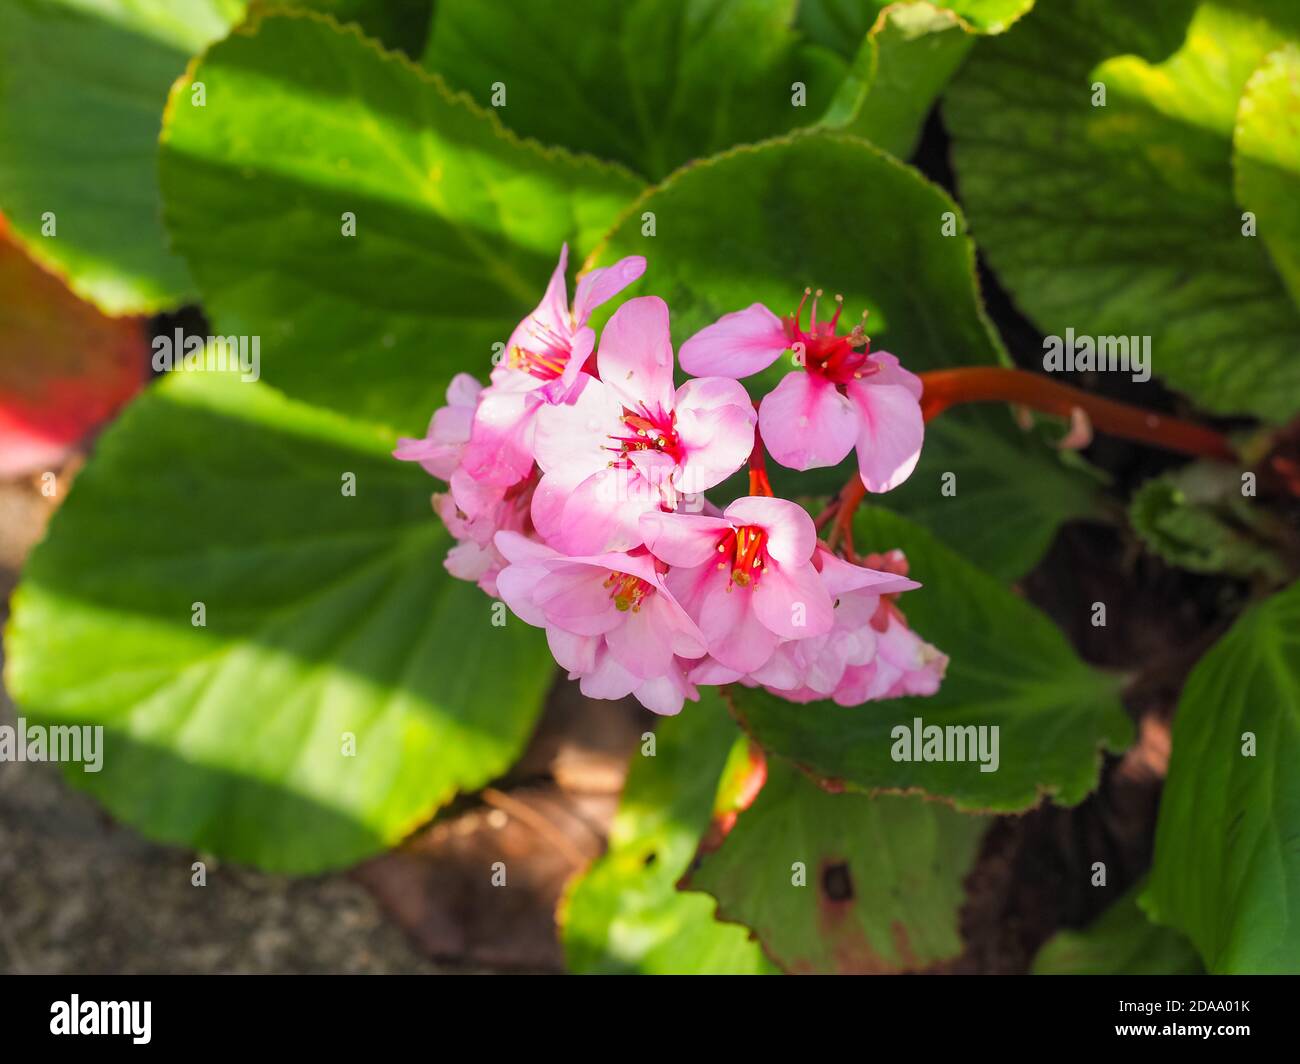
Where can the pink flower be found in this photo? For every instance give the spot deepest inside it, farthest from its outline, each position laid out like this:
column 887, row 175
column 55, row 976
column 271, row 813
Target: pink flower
column 904, row 665
column 814, row 669
column 439, row 452
column 473, row 512
column 845, row 396
column 809, row 669
column 543, row 359
column 609, row 619
column 901, row 662
column 747, row 579
column 629, row 443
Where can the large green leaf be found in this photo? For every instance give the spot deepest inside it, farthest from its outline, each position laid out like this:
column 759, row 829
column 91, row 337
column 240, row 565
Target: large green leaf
column 398, row 24
column 649, row 83
column 1266, row 158
column 326, row 614
column 625, row 914
column 1121, row 941
column 843, row 882
column 1010, row 668
column 839, row 24
column 902, row 54
column 1227, row 863
column 758, row 224
column 917, row 48
column 82, row 88
column 1120, row 219
column 458, row 224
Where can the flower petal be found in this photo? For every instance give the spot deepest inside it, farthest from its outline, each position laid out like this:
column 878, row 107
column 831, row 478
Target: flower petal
column 891, row 371
column 736, row 345
column 574, row 597
column 576, row 653
column 635, row 358
column 735, row 636
column 463, row 391
column 840, row 577
column 572, row 437
column 600, row 286
column 781, row 672
column 643, row 643
column 602, row 512
column 500, row 443
column 515, row 584
column 715, row 423
column 665, row 694
column 561, row 390
column 806, row 423
column 791, row 534
column 686, row 540
column 552, row 313
column 470, row 561
column 608, row 679
column 892, row 431
column 713, row 673
column 791, row 602
column 517, row 549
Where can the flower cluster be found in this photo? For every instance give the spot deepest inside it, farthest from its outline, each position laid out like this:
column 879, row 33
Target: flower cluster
column 576, row 493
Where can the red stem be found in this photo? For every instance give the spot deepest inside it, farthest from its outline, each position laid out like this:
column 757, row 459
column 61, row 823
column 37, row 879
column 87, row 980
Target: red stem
column 758, row 482
column 981, row 384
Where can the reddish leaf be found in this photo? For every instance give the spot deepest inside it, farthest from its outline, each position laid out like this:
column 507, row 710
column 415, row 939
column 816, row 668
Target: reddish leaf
column 65, row 367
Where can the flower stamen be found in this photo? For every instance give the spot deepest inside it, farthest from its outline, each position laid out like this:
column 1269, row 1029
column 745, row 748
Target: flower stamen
column 628, row 591
column 747, row 548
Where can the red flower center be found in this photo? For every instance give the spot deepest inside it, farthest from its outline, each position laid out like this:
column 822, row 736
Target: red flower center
column 646, row 431
column 745, row 550
column 546, row 355
column 837, row 358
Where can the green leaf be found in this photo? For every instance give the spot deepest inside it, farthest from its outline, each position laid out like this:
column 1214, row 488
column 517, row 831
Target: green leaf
column 1121, row 941
column 1197, row 518
column 324, row 615
column 1119, row 220
column 903, row 54
column 398, row 24
column 649, row 83
column 1227, row 862
column 625, row 913
column 918, row 48
column 843, row 883
column 1010, row 668
column 1010, row 491
column 758, row 224
column 839, row 24
column 82, row 88
column 1266, row 158
column 458, row 224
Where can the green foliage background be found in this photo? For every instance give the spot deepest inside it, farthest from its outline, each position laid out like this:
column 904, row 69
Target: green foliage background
column 207, row 151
